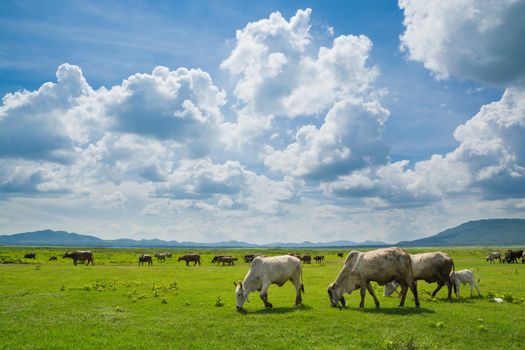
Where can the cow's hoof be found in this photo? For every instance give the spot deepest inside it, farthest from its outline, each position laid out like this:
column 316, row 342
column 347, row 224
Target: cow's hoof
column 269, row 305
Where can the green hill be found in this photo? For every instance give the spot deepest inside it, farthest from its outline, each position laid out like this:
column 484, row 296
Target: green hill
column 480, row 232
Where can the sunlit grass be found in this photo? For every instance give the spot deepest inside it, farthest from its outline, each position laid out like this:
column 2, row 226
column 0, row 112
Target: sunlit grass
column 118, row 304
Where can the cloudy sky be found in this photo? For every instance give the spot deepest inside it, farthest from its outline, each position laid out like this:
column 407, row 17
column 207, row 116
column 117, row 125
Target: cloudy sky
column 261, row 121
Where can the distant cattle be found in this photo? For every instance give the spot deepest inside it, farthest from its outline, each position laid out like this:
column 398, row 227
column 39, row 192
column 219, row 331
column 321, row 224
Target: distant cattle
column 266, row 271
column 523, row 258
column 295, row 254
column 340, row 254
column 215, row 258
column 464, row 277
column 160, row 257
column 196, row 258
column 430, row 267
column 80, row 255
column 226, row 260
column 53, row 258
column 380, row 265
column 306, row 259
column 493, row 256
column 145, row 258
column 512, row 256
column 30, row 256
column 249, row 258
column 319, row 258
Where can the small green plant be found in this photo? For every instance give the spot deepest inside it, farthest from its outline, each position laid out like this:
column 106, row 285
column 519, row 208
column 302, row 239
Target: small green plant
column 164, row 301
column 508, row 297
column 402, row 344
column 438, row 324
column 219, row 302
column 482, row 328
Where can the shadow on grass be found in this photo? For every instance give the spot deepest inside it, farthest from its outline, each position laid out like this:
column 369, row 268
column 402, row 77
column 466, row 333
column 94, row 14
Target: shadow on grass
column 467, row 300
column 402, row 311
column 281, row 310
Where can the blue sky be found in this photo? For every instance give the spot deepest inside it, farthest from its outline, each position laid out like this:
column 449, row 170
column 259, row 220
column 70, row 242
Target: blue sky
column 267, row 121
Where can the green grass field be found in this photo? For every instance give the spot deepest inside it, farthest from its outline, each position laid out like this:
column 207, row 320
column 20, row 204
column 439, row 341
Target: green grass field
column 117, row 304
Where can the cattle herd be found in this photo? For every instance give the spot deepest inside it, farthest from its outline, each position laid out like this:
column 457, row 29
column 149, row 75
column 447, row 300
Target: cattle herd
column 392, row 268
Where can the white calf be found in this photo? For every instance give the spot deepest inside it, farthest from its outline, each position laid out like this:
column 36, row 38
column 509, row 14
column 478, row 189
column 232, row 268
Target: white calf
column 464, row 277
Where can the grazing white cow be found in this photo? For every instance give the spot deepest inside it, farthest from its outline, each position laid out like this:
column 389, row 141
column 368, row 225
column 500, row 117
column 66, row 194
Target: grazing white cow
column 464, row 277
column 493, row 256
column 265, row 271
column 380, row 265
column 430, row 267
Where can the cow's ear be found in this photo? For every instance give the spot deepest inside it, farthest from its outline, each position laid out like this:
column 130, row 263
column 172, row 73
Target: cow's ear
column 235, row 284
column 240, row 284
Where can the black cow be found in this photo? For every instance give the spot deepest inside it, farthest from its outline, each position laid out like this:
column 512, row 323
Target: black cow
column 53, row 258
column 319, row 258
column 30, row 256
column 145, row 258
column 340, row 254
column 80, row 255
column 249, row 258
column 512, row 256
column 306, row 259
column 196, row 258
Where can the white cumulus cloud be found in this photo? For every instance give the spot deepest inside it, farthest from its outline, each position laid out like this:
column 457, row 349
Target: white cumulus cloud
column 473, row 39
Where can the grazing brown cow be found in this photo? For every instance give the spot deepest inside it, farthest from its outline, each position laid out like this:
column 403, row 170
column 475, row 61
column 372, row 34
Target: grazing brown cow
column 145, row 258
column 80, row 255
column 340, row 254
column 30, row 256
column 196, row 258
column 226, row 259
column 306, row 259
column 319, row 258
column 381, row 266
column 53, row 258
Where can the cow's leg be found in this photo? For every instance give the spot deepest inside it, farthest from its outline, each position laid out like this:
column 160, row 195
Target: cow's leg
column 477, row 288
column 404, row 290
column 264, row 294
column 458, row 284
column 363, row 293
column 296, row 280
column 413, row 289
column 371, row 291
column 449, row 287
column 440, row 285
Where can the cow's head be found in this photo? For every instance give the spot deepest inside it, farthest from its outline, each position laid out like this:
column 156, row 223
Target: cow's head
column 66, row 255
column 241, row 296
column 390, row 288
column 335, row 294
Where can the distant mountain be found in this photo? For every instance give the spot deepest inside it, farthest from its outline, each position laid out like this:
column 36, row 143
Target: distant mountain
column 66, row 239
column 480, row 232
column 333, row 244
